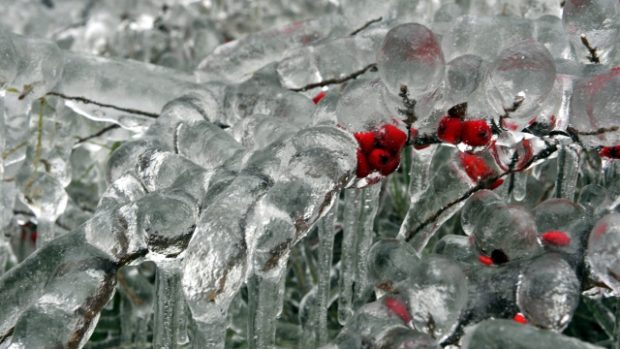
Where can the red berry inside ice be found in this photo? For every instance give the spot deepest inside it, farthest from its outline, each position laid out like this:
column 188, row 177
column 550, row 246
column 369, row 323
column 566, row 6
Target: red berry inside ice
column 555, row 238
column 383, row 161
column 392, row 138
column 397, row 307
column 476, row 133
column 366, row 141
column 520, row 318
column 363, row 169
column 486, row 260
column 449, row 129
column 475, row 166
column 319, row 96
column 610, row 152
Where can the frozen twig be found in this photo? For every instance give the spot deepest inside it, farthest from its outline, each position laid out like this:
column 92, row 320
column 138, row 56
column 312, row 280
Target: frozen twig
column 366, row 25
column 543, row 154
column 354, row 75
column 104, row 105
column 593, row 57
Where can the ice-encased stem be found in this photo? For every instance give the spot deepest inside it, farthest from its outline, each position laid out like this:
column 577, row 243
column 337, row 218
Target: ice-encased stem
column 169, row 319
column 265, row 297
column 360, row 208
column 568, row 172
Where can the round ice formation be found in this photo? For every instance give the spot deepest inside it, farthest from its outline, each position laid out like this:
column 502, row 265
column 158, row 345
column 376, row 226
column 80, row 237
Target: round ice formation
column 411, row 55
column 548, row 292
column 506, row 232
column 603, row 254
column 523, row 71
column 596, row 21
column 595, row 108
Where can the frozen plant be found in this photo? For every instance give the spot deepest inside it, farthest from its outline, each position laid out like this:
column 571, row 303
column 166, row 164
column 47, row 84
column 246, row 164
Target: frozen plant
column 309, row 174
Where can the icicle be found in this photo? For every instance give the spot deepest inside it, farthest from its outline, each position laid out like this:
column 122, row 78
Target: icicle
column 169, row 307
column 265, row 298
column 360, row 209
column 420, row 164
column 568, row 171
column 45, row 231
column 327, row 231
column 519, row 186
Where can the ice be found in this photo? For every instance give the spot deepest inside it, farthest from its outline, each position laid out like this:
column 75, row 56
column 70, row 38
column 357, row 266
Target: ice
column 390, row 261
column 549, row 32
column 548, row 292
column 508, row 231
column 411, row 55
column 568, row 217
column 170, row 319
column 40, row 67
column 477, row 208
column 602, row 253
column 436, row 293
column 359, row 211
column 594, row 19
column 327, row 232
column 450, row 176
column 522, row 70
column 205, row 144
column 191, row 181
column 331, row 60
column 237, row 60
column 362, row 105
column 10, row 58
column 47, row 198
column 594, row 106
column 463, row 76
column 510, row 334
column 484, row 36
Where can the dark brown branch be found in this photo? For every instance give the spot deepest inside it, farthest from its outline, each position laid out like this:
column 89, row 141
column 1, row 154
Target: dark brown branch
column 595, row 132
column 372, row 66
column 366, row 25
column 98, row 133
column 592, row 50
column 543, row 154
column 104, row 105
column 409, row 106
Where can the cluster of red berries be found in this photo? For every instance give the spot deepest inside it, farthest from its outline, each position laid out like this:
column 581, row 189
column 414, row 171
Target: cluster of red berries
column 379, row 150
column 453, row 129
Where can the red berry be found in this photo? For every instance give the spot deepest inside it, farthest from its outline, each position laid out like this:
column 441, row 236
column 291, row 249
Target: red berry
column 520, row 318
column 383, row 161
column 486, row 260
column 610, row 152
column 318, row 97
column 449, row 129
column 496, row 183
column 363, row 169
column 366, row 141
column 476, row 133
column 392, row 138
column 556, row 238
column 399, row 308
column 476, row 168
